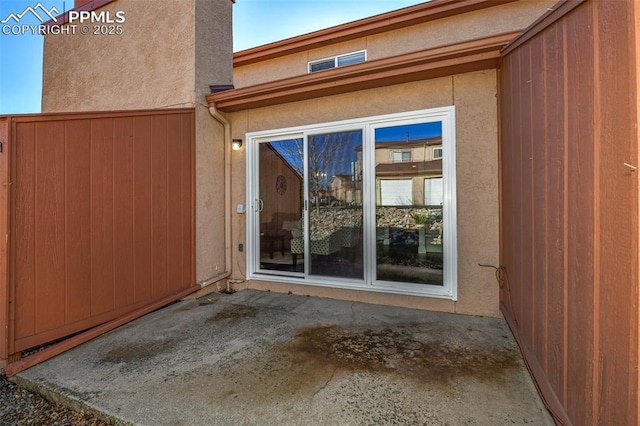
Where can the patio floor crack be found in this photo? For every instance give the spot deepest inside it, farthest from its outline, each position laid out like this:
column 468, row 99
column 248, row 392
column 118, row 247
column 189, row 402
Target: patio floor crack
column 333, row 373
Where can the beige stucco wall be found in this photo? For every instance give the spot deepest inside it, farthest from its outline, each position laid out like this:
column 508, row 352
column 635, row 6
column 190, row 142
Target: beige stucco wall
column 474, row 96
column 473, row 25
column 167, row 56
column 145, row 67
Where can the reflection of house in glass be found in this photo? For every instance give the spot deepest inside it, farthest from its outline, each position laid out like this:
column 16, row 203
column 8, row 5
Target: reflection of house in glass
column 344, row 189
column 406, row 174
column 409, row 198
column 409, row 173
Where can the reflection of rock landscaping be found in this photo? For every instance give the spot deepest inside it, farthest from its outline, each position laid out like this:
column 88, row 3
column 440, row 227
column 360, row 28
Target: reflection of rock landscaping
column 327, row 221
column 409, row 240
column 406, row 218
column 405, row 226
column 331, row 230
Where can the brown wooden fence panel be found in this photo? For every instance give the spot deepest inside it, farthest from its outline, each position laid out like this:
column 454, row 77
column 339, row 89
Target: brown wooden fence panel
column 101, row 218
column 4, row 230
column 617, row 360
column 553, row 223
column 570, row 208
column 538, row 191
column 581, row 205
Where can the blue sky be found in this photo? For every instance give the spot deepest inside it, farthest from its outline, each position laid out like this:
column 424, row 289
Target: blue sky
column 410, row 131
column 258, row 22
column 255, row 22
column 349, row 143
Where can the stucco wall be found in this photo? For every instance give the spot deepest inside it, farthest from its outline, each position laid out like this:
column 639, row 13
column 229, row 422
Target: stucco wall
column 150, row 65
column 168, row 55
column 473, row 25
column 474, row 96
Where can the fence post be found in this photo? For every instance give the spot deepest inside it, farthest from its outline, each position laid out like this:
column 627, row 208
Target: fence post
column 5, row 144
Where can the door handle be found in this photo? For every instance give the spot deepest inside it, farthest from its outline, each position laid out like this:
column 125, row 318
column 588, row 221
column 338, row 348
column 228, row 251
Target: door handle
column 260, row 204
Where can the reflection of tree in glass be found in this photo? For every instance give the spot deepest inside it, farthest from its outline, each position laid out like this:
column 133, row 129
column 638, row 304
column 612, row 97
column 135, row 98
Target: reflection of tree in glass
column 329, row 155
column 292, row 151
column 325, row 152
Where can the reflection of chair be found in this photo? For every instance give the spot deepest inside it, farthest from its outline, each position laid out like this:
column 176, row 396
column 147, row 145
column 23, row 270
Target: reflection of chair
column 297, row 240
column 274, row 235
column 331, row 230
column 272, row 243
column 322, row 243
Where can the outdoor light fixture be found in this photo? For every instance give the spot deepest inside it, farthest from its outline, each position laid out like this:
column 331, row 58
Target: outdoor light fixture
column 236, row 144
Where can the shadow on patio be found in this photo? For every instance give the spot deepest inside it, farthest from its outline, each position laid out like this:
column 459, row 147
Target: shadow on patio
column 265, row 358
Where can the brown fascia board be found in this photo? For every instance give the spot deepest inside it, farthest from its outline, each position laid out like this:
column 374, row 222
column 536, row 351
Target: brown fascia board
column 418, row 14
column 409, row 168
column 443, row 61
column 411, row 144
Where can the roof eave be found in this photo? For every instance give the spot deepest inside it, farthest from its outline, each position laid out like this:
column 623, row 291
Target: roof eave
column 469, row 56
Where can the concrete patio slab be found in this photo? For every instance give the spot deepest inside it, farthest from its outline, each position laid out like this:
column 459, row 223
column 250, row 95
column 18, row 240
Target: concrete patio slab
column 260, row 358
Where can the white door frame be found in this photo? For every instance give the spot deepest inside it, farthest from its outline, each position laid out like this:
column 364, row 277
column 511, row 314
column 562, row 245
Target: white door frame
column 446, row 115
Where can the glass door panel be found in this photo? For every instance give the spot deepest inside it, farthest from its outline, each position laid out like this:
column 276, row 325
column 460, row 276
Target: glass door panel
column 334, row 173
column 409, row 202
column 279, row 206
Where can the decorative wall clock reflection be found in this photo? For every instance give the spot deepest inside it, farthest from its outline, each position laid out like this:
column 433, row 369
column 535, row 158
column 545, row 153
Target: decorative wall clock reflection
column 281, row 185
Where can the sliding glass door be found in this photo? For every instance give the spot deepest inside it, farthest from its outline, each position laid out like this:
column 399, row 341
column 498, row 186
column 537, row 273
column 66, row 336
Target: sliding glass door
column 335, row 204
column 320, row 233
column 409, row 203
column 366, row 204
column 278, row 206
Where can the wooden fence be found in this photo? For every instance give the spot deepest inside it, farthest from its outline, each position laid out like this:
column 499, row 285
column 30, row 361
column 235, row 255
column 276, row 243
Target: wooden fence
column 570, row 207
column 98, row 211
